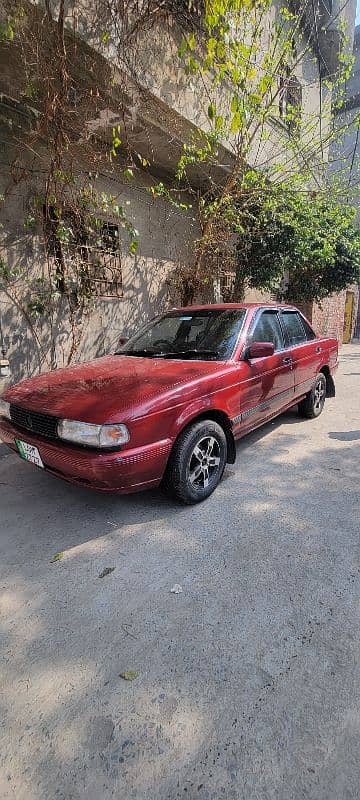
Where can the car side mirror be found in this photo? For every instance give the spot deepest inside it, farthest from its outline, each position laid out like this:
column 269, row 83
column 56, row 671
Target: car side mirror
column 260, row 350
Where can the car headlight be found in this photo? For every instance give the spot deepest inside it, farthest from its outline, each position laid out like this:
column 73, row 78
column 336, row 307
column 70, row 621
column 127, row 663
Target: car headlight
column 93, row 435
column 4, row 409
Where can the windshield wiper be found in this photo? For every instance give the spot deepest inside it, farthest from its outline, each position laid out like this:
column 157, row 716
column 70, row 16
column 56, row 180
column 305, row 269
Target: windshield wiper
column 173, row 354
column 190, row 352
column 143, row 352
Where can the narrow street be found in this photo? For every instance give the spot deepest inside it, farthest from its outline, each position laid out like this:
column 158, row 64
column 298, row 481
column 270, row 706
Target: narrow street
column 248, row 684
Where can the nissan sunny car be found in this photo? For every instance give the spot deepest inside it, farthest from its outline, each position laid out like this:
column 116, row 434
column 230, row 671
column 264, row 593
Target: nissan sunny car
column 167, row 406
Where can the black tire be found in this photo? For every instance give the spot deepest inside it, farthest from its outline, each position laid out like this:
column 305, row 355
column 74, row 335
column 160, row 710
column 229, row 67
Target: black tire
column 196, row 463
column 313, row 404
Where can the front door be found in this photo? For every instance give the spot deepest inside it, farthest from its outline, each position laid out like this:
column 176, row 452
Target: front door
column 267, row 383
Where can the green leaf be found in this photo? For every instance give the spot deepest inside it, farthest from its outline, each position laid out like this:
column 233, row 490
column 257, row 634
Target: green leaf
column 219, row 122
column 57, row 557
column 251, row 74
column 191, row 41
column 234, row 106
column 211, row 111
column 183, row 48
column 29, row 222
column 236, row 123
column 129, row 675
column 192, row 66
column 143, row 161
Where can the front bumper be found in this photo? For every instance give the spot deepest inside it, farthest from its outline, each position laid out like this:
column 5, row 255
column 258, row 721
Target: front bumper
column 122, row 471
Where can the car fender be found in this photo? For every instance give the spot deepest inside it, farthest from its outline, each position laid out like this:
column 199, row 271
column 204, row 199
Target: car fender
column 203, row 407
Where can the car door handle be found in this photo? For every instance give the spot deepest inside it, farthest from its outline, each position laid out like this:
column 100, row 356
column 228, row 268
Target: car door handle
column 287, row 360
column 318, row 349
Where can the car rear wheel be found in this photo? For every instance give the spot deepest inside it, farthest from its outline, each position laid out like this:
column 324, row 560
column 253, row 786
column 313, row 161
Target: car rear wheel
column 197, row 462
column 314, row 402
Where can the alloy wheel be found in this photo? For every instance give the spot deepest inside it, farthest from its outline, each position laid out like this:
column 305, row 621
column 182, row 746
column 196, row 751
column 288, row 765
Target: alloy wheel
column 319, row 396
column 204, row 462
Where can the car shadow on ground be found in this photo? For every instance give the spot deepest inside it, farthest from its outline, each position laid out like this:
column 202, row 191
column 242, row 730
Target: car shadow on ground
column 81, row 513
column 345, row 436
column 265, row 575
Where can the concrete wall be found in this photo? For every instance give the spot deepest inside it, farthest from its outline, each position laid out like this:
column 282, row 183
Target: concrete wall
column 169, row 102
column 165, row 235
column 345, row 170
column 151, row 62
column 345, row 154
column 158, row 68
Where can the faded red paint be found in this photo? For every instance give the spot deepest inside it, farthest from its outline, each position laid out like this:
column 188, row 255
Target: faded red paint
column 156, row 399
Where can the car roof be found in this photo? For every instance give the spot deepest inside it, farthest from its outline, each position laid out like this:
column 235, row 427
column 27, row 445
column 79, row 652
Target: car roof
column 224, row 306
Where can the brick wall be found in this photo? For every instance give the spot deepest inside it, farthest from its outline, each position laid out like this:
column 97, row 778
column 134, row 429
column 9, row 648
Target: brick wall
column 256, row 296
column 327, row 318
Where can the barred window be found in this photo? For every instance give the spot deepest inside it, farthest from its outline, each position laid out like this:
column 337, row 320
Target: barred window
column 80, row 256
column 227, row 283
column 290, row 101
column 104, row 258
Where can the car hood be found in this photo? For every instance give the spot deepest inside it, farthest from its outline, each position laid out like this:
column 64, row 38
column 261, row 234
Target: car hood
column 113, row 388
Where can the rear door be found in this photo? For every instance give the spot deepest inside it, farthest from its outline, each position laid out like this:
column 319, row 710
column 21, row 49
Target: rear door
column 268, row 383
column 304, row 348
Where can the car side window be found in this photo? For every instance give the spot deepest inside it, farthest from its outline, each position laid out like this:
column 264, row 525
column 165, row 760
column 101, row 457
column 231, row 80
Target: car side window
column 308, row 330
column 294, row 328
column 267, row 329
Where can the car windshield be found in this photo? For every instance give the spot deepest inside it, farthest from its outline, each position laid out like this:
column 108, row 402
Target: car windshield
column 205, row 334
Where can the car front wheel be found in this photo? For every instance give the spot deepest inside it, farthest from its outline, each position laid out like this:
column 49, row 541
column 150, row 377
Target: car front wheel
column 197, row 462
column 314, row 402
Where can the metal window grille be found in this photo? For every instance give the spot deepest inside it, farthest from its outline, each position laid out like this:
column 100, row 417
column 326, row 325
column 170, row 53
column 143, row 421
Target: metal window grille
column 94, row 259
column 290, row 101
column 104, row 259
column 227, row 283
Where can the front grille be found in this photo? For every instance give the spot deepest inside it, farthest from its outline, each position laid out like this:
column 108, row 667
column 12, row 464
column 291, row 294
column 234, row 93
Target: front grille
column 41, row 424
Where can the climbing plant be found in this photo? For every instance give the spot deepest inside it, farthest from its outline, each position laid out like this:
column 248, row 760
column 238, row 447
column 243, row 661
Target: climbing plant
column 75, row 70
column 63, row 86
column 256, row 134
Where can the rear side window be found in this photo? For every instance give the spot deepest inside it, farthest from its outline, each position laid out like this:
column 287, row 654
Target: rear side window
column 267, row 329
column 308, row 330
column 294, row 328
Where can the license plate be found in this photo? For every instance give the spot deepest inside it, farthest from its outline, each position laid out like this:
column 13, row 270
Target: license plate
column 29, row 452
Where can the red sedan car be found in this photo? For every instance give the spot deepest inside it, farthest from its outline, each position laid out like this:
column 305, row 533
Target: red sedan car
column 167, row 407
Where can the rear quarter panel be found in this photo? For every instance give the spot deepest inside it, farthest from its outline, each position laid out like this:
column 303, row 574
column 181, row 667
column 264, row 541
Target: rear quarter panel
column 309, row 358
column 332, row 348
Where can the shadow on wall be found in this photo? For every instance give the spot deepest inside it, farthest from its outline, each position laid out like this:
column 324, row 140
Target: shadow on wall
column 164, row 237
column 110, row 318
column 147, row 292
column 20, row 252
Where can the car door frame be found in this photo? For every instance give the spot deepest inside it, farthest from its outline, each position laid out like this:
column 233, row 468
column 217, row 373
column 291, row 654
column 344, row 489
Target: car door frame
column 306, row 355
column 252, row 416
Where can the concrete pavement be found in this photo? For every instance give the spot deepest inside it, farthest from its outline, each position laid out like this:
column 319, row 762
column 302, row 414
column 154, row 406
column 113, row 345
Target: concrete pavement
column 248, row 684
